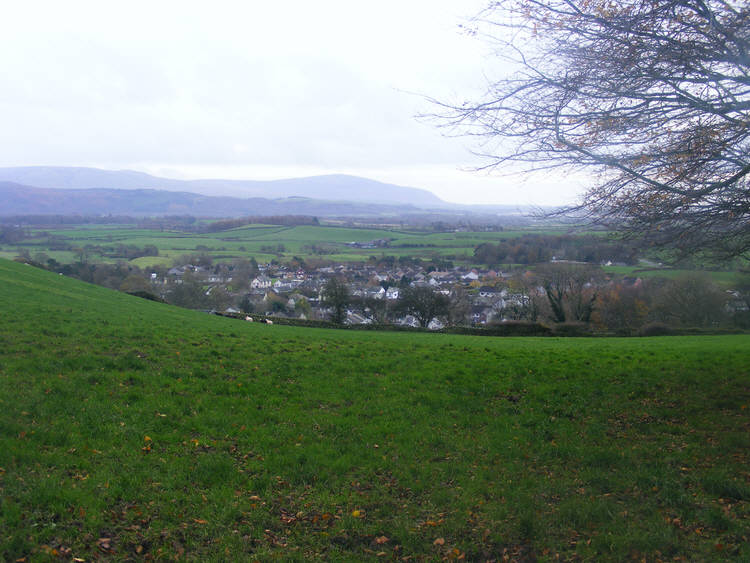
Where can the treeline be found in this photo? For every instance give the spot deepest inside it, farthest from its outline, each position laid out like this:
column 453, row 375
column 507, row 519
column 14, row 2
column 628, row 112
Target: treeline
column 434, row 263
column 167, row 222
column 535, row 249
column 283, row 220
column 42, row 220
column 581, row 295
column 12, row 234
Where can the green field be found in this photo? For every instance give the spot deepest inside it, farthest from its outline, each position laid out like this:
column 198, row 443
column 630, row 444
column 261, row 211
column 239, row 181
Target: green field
column 724, row 278
column 255, row 240
column 132, row 429
column 265, row 243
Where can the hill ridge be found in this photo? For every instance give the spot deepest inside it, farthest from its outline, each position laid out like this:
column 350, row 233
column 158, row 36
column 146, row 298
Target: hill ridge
column 336, row 187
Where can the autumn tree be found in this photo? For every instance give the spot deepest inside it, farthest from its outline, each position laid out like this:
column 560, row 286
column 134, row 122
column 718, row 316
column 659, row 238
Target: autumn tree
column 651, row 97
column 691, row 300
column 622, row 307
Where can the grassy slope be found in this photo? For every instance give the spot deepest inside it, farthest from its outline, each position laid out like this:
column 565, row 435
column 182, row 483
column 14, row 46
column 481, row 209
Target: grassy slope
column 174, row 433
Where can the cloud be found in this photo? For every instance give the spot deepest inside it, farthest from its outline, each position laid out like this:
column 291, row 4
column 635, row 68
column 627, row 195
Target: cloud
column 296, row 85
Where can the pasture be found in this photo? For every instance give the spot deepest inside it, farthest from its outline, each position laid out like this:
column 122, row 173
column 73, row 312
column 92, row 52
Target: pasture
column 259, row 241
column 132, row 429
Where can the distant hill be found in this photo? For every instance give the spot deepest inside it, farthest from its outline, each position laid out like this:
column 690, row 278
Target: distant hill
column 329, row 188
column 18, row 199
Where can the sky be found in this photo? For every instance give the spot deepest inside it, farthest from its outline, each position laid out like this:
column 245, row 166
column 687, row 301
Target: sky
column 252, row 90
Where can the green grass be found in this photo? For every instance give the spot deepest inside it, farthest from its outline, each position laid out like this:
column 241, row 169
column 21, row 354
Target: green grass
column 726, row 278
column 130, row 428
column 254, row 240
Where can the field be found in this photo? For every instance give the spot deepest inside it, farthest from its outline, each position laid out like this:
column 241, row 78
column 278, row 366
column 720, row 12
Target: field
column 259, row 241
column 723, row 278
column 131, row 429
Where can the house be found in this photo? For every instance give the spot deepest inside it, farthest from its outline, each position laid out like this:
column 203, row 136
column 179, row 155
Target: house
column 409, row 320
column 375, row 292
column 282, row 287
column 356, row 319
column 471, row 276
column 435, row 324
column 487, row 291
column 260, row 282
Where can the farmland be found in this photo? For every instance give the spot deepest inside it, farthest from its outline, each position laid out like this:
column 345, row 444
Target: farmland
column 263, row 242
column 132, row 429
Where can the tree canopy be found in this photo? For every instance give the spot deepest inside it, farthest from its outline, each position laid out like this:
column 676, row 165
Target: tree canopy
column 423, row 303
column 651, row 96
column 337, row 297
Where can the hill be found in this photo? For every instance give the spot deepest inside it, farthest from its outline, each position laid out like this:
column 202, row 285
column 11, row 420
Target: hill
column 131, row 429
column 328, row 188
column 26, row 200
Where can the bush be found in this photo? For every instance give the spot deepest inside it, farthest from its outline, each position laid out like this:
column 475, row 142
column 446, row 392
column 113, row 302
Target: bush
column 571, row 329
column 146, row 295
column 655, row 329
column 511, row 328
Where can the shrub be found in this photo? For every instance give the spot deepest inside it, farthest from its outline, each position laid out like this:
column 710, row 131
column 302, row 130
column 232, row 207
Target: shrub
column 146, row 295
column 571, row 329
column 655, row 329
column 510, row 328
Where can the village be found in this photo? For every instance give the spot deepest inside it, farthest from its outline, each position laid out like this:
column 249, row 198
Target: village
column 471, row 296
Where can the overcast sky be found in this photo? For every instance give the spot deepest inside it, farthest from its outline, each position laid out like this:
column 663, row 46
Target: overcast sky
column 249, row 89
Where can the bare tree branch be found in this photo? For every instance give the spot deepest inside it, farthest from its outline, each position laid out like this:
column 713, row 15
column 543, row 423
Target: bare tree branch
column 652, row 95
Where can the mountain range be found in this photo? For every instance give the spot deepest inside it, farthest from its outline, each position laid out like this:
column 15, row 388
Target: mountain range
column 18, row 199
column 58, row 190
column 331, row 187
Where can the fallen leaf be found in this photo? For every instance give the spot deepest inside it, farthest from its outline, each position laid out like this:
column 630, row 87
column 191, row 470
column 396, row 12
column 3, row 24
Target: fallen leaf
column 439, row 541
column 104, row 544
column 381, row 540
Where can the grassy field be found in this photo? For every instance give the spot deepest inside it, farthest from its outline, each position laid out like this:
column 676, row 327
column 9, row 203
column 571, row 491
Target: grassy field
column 130, row 429
column 255, row 240
column 277, row 242
column 724, row 278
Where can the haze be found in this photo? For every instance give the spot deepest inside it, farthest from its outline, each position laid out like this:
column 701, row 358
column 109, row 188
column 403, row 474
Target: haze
column 250, row 90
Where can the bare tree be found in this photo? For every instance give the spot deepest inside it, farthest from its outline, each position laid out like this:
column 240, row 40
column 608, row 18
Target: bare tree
column 571, row 290
column 650, row 96
column 423, row 303
column 691, row 300
column 337, row 297
column 459, row 307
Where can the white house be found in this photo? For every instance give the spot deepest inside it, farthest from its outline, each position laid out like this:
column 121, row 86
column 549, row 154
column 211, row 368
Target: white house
column 261, row 282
